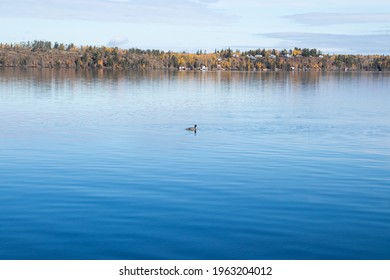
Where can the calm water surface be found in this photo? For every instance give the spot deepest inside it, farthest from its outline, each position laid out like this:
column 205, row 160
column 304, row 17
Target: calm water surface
column 97, row 165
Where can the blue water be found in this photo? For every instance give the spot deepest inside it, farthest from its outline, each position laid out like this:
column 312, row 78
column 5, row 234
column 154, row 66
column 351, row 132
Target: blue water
column 98, row 165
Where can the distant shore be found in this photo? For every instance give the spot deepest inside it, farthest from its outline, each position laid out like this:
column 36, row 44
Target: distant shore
column 41, row 54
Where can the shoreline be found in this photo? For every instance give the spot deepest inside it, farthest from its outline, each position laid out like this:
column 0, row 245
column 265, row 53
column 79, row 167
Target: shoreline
column 110, row 69
column 42, row 55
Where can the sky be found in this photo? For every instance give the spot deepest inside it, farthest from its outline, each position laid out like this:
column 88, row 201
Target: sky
column 332, row 26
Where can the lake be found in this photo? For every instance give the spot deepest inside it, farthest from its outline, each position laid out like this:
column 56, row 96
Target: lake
column 98, row 165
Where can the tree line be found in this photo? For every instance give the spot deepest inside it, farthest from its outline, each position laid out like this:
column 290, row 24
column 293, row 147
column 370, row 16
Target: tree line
column 44, row 54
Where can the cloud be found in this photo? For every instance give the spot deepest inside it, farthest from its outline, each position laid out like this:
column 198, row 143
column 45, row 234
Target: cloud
column 339, row 18
column 341, row 43
column 118, row 41
column 133, row 11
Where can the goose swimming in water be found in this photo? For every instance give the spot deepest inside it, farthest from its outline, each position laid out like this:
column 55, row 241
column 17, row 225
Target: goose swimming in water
column 191, row 128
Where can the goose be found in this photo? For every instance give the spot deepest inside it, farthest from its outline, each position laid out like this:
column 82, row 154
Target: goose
column 191, row 128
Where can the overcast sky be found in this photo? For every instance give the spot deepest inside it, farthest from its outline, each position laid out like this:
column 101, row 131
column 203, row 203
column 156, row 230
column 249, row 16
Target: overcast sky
column 333, row 26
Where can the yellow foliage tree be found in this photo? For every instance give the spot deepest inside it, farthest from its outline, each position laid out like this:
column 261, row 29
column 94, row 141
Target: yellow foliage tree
column 296, row 52
column 181, row 61
column 100, row 63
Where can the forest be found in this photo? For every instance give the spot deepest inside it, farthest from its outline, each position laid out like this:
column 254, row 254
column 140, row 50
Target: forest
column 44, row 54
